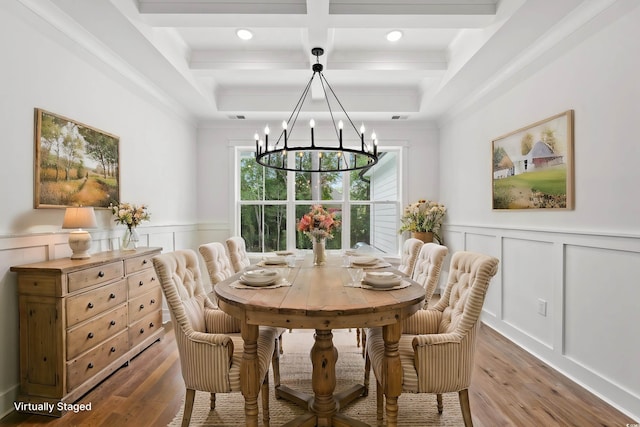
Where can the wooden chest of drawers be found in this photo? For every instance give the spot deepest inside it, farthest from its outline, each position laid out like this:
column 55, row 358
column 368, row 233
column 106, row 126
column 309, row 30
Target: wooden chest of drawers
column 81, row 320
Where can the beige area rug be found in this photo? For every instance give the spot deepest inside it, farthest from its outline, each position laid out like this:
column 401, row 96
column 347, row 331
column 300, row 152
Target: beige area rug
column 295, row 372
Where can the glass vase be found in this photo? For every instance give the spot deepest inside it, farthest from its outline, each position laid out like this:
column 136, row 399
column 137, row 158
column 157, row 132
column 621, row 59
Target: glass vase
column 319, row 254
column 130, row 240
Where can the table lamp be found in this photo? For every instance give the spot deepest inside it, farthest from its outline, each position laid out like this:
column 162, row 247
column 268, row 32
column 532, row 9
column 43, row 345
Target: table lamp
column 79, row 239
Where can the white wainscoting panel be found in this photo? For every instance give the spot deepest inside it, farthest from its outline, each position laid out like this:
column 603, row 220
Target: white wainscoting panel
column 589, row 282
column 602, row 312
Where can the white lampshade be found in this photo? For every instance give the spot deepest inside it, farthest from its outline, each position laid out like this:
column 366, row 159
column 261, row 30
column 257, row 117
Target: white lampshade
column 79, row 239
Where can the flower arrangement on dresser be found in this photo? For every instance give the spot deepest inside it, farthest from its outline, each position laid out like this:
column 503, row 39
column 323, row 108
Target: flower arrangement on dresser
column 423, row 216
column 130, row 215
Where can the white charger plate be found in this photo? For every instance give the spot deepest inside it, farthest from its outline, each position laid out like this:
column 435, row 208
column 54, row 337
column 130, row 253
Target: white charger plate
column 275, row 260
column 259, row 277
column 382, row 279
column 364, row 260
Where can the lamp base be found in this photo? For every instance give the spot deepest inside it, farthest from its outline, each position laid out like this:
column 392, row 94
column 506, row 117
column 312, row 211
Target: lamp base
column 80, row 243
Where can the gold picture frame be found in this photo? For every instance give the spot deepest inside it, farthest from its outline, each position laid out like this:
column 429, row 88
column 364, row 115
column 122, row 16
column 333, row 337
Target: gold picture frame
column 75, row 164
column 533, row 166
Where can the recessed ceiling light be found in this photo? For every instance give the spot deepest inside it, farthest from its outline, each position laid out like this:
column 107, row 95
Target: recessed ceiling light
column 244, row 34
column 394, row 36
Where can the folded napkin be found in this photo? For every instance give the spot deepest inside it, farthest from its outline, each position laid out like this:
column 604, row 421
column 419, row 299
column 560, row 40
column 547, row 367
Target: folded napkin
column 278, row 284
column 402, row 285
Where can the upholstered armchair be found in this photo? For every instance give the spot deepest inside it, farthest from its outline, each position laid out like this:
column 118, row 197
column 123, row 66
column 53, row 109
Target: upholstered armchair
column 410, row 250
column 426, row 271
column 437, row 345
column 238, row 253
column 209, row 345
column 217, row 262
column 428, row 265
column 219, row 268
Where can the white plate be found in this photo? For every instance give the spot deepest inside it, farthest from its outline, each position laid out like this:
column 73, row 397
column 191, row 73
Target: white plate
column 382, row 279
column 364, row 260
column 259, row 277
column 275, row 260
column 283, row 253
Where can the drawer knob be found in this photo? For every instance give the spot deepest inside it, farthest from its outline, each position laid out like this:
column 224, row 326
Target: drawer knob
column 140, row 283
column 90, row 305
column 113, row 349
column 142, row 330
column 90, row 365
column 90, row 335
column 112, row 323
column 141, row 306
column 144, row 261
column 151, row 325
column 153, row 301
column 101, row 274
column 112, row 296
column 153, row 278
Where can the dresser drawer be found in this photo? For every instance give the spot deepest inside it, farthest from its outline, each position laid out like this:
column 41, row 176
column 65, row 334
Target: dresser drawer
column 96, row 330
column 144, row 304
column 135, row 264
column 92, row 362
column 96, row 275
column 142, row 282
column 82, row 307
column 144, row 327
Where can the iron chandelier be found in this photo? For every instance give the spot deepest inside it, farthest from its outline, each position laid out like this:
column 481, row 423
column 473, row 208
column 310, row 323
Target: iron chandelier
column 329, row 158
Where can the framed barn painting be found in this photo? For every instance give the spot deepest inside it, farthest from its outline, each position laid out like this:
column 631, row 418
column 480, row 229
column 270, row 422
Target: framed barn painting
column 75, row 164
column 533, row 166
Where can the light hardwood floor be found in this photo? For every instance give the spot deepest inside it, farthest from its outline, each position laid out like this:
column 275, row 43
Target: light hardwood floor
column 509, row 388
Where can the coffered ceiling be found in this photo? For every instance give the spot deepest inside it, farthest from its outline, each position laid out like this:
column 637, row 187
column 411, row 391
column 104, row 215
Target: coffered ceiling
column 187, row 53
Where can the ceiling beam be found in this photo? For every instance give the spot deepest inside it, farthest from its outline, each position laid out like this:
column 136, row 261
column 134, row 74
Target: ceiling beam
column 280, row 7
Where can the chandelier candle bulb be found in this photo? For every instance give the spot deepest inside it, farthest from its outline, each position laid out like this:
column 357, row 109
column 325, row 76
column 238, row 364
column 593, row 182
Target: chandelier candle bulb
column 312, row 123
column 375, row 143
column 284, row 130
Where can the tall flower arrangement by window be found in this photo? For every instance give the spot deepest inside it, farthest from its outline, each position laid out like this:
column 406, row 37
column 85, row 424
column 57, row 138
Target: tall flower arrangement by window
column 130, row 215
column 319, row 222
column 319, row 225
column 423, row 216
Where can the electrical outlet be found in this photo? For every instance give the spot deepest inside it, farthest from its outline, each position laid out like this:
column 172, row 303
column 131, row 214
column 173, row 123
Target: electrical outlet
column 542, row 307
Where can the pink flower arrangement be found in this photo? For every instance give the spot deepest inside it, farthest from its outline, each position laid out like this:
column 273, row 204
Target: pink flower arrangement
column 319, row 222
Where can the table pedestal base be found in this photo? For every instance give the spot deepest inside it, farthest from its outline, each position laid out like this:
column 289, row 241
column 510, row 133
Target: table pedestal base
column 323, row 406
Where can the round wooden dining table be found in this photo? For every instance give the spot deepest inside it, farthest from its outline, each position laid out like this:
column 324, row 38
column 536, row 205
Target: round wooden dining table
column 320, row 298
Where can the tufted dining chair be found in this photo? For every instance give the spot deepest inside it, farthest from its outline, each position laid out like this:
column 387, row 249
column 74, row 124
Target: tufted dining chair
column 410, row 251
column 217, row 261
column 209, row 344
column 219, row 268
column 437, row 345
column 238, row 253
column 428, row 265
column 426, row 272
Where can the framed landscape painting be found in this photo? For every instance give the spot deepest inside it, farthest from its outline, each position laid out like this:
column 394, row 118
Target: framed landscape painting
column 533, row 166
column 75, row 164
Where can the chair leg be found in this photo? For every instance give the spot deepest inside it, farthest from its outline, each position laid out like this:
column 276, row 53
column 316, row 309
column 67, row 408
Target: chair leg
column 379, row 401
column 463, row 395
column 281, row 347
column 367, row 373
column 440, row 407
column 212, row 401
column 275, row 365
column 188, row 407
column 265, row 397
column 358, row 337
column 364, row 342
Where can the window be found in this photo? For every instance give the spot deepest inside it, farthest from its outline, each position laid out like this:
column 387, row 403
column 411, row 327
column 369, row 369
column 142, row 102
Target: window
column 270, row 201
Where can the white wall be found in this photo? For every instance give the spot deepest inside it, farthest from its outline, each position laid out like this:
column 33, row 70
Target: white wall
column 40, row 68
column 585, row 262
